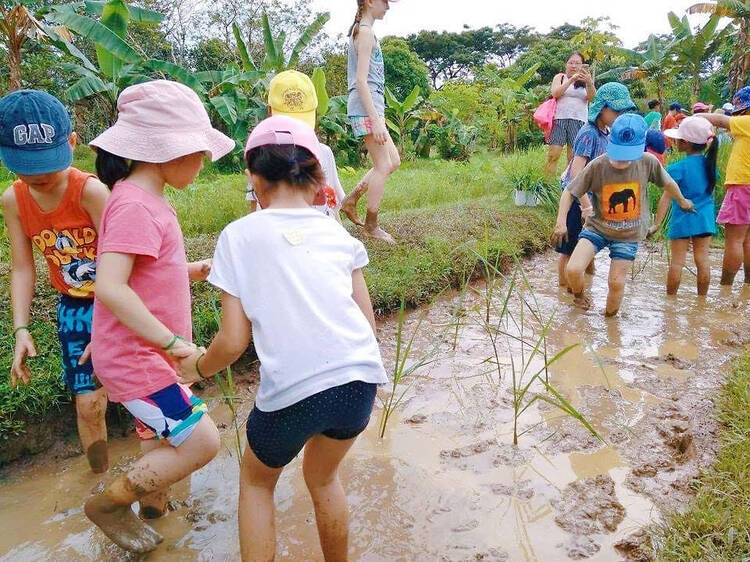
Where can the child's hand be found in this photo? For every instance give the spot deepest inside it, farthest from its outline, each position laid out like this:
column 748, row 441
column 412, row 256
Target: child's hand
column 587, row 212
column 24, row 348
column 653, row 230
column 188, row 367
column 686, row 205
column 560, row 234
column 199, row 270
column 181, row 349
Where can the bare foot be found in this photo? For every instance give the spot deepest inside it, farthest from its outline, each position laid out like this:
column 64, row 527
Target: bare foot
column 378, row 233
column 582, row 301
column 608, row 314
column 121, row 525
column 98, row 457
column 349, row 204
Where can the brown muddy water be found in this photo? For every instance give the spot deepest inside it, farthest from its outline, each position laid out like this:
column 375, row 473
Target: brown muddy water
column 446, row 482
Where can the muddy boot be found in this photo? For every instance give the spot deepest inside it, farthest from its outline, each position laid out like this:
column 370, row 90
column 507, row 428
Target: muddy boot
column 349, row 204
column 727, row 277
column 120, row 524
column 98, row 457
column 372, row 230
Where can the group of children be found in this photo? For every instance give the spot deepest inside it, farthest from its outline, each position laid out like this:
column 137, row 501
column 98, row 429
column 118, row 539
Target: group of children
column 604, row 202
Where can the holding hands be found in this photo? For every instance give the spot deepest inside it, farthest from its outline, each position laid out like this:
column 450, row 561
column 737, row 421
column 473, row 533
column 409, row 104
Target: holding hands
column 199, row 270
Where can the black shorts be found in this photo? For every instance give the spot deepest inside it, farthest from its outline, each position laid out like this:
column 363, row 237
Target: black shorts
column 341, row 412
column 574, row 221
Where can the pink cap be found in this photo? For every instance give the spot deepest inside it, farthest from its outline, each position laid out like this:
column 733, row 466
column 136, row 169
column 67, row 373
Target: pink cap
column 159, row 121
column 693, row 129
column 281, row 129
column 700, row 106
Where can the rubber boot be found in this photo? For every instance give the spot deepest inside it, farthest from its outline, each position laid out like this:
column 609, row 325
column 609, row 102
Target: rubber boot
column 349, row 204
column 372, row 230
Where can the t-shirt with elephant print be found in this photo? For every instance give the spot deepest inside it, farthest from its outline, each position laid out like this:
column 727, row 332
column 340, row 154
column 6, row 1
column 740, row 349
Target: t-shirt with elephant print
column 620, row 197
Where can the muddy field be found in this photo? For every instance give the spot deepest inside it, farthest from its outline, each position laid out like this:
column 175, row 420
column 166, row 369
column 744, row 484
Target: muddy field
column 446, row 482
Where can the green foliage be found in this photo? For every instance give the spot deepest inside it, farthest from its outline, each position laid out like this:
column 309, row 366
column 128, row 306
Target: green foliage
column 401, row 116
column 404, row 70
column 549, row 54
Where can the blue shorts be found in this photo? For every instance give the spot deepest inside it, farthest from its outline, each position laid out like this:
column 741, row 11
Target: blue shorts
column 574, row 222
column 341, row 412
column 74, row 330
column 170, row 413
column 618, row 250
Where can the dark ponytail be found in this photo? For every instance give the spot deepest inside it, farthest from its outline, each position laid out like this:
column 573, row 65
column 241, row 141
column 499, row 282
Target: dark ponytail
column 711, row 157
column 294, row 165
column 354, row 29
column 111, row 168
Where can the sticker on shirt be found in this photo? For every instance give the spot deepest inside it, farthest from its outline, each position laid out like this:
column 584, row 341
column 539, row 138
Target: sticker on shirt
column 621, row 201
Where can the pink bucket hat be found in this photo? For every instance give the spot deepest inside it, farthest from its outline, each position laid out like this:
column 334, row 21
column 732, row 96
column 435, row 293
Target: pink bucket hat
column 159, row 121
column 693, row 129
column 280, row 129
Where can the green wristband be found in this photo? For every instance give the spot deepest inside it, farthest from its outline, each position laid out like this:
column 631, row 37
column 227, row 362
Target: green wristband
column 198, row 369
column 21, row 328
column 174, row 340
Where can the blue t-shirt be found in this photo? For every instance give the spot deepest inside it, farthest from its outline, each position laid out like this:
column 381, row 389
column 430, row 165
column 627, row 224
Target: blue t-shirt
column 690, row 175
column 591, row 142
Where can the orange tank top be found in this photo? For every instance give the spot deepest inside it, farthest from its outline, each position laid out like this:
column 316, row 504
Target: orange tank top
column 66, row 236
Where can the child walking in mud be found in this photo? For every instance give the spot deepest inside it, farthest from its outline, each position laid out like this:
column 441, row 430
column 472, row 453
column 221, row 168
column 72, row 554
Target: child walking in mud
column 618, row 184
column 270, row 267
column 142, row 306
column 57, row 209
column 735, row 209
column 366, row 110
column 696, row 176
column 609, row 101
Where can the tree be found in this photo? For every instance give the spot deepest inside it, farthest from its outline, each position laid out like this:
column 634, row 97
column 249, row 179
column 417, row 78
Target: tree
column 549, row 54
column 739, row 12
column 694, row 50
column 210, row 54
column 597, row 41
column 404, row 70
column 566, row 32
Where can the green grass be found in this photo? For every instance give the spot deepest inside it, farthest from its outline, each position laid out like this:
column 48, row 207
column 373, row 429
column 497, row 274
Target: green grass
column 716, row 527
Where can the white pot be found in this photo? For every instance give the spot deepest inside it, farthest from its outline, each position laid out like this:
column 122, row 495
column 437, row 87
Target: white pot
column 532, row 199
column 519, row 198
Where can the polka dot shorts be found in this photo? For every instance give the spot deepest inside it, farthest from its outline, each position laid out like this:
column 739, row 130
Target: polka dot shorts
column 341, row 412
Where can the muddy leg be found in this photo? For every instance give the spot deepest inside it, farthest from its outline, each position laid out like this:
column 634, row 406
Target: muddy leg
column 677, row 250
column 349, row 204
column 91, row 408
column 320, row 468
column 562, row 264
column 733, row 251
column 553, row 156
column 582, row 255
column 385, row 161
column 156, row 470
column 153, row 505
column 256, row 508
column 618, row 270
column 702, row 263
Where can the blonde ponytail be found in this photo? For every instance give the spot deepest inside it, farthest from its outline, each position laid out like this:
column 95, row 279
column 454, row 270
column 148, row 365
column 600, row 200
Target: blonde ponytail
column 354, row 29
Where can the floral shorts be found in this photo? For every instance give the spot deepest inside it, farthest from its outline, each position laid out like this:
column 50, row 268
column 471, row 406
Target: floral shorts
column 361, row 125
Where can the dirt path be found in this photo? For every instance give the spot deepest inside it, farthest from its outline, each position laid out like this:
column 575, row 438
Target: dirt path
column 446, row 483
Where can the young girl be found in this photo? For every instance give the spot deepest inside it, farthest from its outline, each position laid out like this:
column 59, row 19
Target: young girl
column 610, row 101
column 696, row 176
column 57, row 209
column 735, row 210
column 366, row 110
column 142, row 306
column 319, row 359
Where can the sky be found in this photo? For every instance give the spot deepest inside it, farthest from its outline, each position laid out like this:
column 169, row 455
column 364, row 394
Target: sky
column 636, row 18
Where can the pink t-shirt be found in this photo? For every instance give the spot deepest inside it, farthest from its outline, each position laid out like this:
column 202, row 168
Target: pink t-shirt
column 140, row 223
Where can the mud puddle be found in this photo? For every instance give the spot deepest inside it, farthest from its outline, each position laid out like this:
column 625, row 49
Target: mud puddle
column 446, row 482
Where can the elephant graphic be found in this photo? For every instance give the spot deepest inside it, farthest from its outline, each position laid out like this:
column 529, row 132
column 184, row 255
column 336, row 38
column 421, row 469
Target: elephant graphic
column 621, row 197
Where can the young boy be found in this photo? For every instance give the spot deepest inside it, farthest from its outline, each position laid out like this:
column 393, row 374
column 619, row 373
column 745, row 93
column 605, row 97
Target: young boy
column 57, row 209
column 618, row 182
column 653, row 117
column 292, row 93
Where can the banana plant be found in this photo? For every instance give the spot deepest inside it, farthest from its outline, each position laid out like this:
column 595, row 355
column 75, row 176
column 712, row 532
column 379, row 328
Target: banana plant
column 400, row 115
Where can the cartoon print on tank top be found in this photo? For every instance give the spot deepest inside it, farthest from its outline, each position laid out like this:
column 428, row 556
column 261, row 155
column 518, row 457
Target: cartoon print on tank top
column 73, row 251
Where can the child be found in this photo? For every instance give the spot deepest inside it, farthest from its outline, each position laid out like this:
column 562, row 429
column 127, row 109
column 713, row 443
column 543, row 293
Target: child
column 610, row 100
column 142, row 306
column 617, row 182
column 696, row 176
column 56, row 208
column 656, row 144
column 735, row 210
column 293, row 94
column 270, row 266
column 653, row 117
column 366, row 110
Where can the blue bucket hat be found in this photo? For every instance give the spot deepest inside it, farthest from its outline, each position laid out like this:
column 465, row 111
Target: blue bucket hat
column 627, row 139
column 741, row 100
column 34, row 131
column 613, row 95
column 656, row 141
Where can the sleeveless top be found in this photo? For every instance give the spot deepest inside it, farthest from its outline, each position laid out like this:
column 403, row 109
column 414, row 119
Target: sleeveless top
column 375, row 80
column 573, row 104
column 66, row 236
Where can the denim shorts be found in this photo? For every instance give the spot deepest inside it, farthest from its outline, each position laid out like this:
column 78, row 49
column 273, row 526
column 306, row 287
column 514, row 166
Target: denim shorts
column 618, row 250
column 341, row 412
column 74, row 331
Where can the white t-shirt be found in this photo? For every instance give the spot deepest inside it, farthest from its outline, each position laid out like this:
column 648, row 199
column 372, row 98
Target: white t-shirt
column 292, row 271
column 332, row 192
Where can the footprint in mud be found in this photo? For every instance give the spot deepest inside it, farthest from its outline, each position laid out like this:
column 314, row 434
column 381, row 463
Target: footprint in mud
column 589, row 506
column 468, row 450
column 521, row 490
column 580, row 547
column 676, row 362
column 636, row 547
column 568, row 436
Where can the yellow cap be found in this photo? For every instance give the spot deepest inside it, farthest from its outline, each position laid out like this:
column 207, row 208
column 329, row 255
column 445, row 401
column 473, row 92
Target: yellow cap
column 292, row 93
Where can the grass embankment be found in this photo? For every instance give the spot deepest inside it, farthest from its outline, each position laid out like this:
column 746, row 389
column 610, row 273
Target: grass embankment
column 716, row 526
column 442, row 213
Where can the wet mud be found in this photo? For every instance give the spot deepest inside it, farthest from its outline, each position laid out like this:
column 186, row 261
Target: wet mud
column 446, row 481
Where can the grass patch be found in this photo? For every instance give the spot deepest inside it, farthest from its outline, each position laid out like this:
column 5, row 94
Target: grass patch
column 716, row 527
